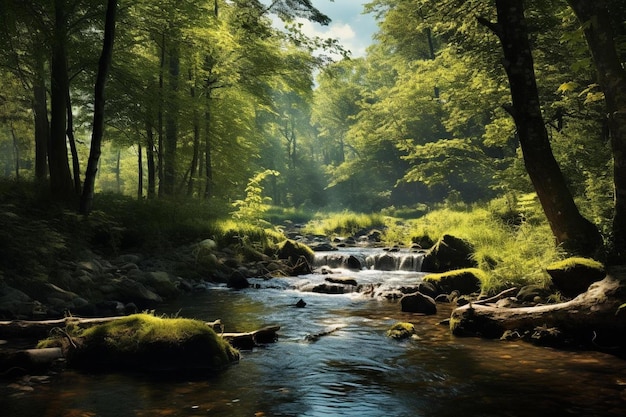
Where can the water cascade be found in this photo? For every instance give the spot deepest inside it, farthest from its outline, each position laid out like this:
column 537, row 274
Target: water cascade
column 373, row 260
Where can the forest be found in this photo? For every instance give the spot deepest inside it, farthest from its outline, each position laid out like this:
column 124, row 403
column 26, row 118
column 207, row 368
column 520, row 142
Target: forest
column 156, row 150
column 201, row 96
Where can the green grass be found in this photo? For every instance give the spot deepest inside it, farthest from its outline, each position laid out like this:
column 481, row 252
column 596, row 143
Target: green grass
column 344, row 223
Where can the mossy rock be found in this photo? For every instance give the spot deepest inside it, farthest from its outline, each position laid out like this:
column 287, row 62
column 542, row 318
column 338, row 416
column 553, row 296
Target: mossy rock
column 465, row 281
column 147, row 343
column 573, row 276
column 401, row 330
column 293, row 251
column 449, row 253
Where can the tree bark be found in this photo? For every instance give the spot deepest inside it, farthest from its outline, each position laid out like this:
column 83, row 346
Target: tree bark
column 139, row 171
column 171, row 125
column 570, row 228
column 72, row 141
column 150, row 158
column 40, row 114
column 594, row 17
column 104, row 65
column 208, row 163
column 58, row 162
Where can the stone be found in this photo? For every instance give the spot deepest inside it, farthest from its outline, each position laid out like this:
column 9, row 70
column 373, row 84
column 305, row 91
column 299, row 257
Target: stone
column 341, row 280
column 237, row 281
column 447, row 254
column 418, row 303
column 573, row 276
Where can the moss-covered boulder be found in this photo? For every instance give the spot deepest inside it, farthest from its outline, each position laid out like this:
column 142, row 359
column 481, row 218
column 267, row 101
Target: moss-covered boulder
column 449, row 253
column 147, row 343
column 401, row 330
column 292, row 251
column 573, row 276
column 465, row 281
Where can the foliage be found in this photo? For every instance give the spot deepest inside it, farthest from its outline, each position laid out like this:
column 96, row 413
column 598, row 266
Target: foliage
column 253, row 207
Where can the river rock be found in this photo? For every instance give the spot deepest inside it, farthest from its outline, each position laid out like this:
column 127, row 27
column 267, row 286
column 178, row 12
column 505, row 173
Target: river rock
column 237, row 281
column 161, row 282
column 14, row 303
column 573, row 276
column 127, row 290
column 418, row 303
column 341, row 280
column 447, row 254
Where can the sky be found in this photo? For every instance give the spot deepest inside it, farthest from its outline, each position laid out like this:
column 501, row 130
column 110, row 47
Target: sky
column 349, row 25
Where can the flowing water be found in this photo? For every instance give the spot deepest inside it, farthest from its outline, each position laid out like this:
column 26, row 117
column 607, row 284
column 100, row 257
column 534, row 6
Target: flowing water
column 352, row 370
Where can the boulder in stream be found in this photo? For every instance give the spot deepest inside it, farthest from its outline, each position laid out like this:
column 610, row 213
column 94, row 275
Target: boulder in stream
column 418, row 303
column 573, row 276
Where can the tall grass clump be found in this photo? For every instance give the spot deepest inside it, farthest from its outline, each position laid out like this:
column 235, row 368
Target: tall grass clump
column 344, row 223
column 513, row 253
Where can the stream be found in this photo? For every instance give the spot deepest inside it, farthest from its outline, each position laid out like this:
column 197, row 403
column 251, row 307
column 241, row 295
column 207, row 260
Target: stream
column 354, row 370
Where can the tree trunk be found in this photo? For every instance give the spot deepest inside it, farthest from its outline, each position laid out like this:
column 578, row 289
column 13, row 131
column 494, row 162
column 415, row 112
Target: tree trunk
column 42, row 125
column 16, row 152
column 139, row 172
column 196, row 142
column 171, row 126
column 58, row 162
column 72, row 142
column 208, row 186
column 104, row 65
column 594, row 17
column 570, row 228
column 159, row 149
column 150, row 157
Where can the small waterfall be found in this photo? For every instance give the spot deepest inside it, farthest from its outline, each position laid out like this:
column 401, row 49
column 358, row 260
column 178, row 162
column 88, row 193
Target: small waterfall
column 381, row 261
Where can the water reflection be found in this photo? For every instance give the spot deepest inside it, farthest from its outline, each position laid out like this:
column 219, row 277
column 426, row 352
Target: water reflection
column 352, row 371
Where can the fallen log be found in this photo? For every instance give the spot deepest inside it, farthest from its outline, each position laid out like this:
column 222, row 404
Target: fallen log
column 591, row 318
column 38, row 329
column 249, row 340
column 20, row 362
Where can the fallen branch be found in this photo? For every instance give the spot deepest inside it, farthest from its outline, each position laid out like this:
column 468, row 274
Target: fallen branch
column 249, row 340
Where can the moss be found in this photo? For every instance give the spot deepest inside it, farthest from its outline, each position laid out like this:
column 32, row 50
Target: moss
column 574, row 262
column 292, row 250
column 146, row 342
column 401, row 330
column 466, row 281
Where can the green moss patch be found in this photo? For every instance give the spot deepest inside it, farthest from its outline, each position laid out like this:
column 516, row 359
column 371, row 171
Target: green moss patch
column 292, row 251
column 465, row 281
column 149, row 343
column 401, row 330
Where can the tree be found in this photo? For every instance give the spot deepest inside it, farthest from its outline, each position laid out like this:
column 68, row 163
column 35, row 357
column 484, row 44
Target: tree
column 99, row 102
column 569, row 227
column 595, row 18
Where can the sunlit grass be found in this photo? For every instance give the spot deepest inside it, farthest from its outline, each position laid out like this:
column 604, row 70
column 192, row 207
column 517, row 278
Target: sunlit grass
column 344, row 223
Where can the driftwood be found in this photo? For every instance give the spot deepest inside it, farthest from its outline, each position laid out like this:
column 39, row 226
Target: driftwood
column 249, row 340
column 20, row 362
column 587, row 319
column 39, row 329
column 504, row 294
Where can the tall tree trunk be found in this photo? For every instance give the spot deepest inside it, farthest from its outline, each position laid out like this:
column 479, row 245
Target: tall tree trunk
column 16, row 152
column 104, row 64
column 58, row 162
column 150, row 157
column 72, row 142
column 570, row 228
column 196, row 141
column 208, row 164
column 594, row 17
column 118, row 169
column 160, row 116
column 139, row 172
column 171, row 125
column 40, row 114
